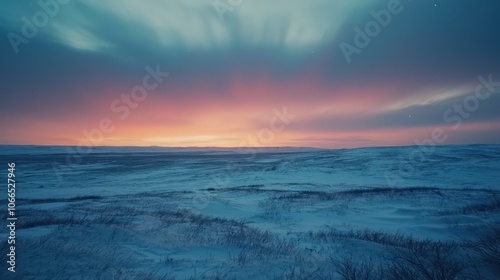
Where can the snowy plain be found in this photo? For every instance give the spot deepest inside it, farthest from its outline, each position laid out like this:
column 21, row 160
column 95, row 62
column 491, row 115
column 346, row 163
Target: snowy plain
column 267, row 213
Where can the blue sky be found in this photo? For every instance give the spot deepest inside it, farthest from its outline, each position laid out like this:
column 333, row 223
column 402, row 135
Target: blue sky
column 230, row 63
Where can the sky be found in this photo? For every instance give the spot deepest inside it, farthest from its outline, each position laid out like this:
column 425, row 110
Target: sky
column 232, row 73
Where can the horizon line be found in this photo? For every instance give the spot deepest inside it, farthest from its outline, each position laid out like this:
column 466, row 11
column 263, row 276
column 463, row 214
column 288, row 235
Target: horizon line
column 245, row 147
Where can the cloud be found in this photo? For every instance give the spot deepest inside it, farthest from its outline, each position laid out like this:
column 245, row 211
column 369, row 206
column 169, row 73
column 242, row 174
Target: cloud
column 429, row 97
column 79, row 38
column 228, row 74
column 194, row 24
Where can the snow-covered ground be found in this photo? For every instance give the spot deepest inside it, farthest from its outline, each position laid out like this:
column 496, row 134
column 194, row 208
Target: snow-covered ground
column 270, row 213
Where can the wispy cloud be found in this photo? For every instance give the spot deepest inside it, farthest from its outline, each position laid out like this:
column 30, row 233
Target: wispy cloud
column 430, row 97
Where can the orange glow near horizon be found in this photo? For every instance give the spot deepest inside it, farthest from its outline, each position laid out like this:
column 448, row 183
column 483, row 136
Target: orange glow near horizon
column 241, row 115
